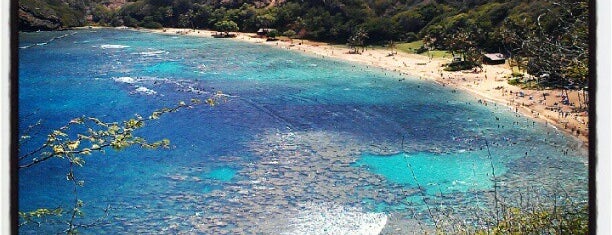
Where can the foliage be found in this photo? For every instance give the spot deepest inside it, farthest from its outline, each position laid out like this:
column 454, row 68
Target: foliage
column 63, row 13
column 102, row 15
column 226, row 26
column 357, row 40
column 33, row 216
column 517, row 74
column 514, row 81
column 557, row 220
column 289, row 33
column 379, row 30
column 266, row 20
column 151, row 25
column 551, row 37
column 460, row 65
column 514, row 27
column 273, row 33
column 409, row 21
column 559, row 47
column 79, row 139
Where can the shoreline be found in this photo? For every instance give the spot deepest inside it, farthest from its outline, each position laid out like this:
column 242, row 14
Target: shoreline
column 489, row 85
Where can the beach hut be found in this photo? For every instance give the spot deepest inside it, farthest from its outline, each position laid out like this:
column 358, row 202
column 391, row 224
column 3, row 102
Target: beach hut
column 494, row 58
column 263, row 31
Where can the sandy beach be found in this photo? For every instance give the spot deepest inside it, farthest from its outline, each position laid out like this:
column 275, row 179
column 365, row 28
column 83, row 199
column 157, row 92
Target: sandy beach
column 488, row 85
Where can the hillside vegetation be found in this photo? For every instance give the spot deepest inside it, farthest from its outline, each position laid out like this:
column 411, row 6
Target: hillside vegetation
column 53, row 14
column 547, row 38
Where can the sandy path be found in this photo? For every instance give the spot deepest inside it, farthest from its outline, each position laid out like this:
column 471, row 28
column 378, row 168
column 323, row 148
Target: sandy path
column 488, row 85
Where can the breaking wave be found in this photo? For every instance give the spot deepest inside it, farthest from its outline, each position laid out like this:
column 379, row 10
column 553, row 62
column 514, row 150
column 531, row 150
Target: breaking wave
column 329, row 218
column 146, row 91
column 125, row 80
column 113, row 46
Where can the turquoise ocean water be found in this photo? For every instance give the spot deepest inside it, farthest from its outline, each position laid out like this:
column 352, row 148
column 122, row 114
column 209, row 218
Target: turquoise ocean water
column 294, row 129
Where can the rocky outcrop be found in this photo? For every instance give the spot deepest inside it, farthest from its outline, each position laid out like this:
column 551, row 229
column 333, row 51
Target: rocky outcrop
column 51, row 14
column 30, row 21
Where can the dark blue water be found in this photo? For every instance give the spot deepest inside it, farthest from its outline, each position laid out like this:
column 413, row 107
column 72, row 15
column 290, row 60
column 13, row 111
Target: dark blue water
column 292, row 126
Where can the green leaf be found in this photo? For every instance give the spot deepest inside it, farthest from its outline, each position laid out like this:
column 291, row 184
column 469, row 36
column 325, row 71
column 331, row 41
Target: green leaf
column 58, row 149
column 72, row 145
column 40, row 213
column 78, row 161
column 59, row 133
column 134, row 124
column 97, row 121
column 155, row 115
column 113, row 129
column 77, row 120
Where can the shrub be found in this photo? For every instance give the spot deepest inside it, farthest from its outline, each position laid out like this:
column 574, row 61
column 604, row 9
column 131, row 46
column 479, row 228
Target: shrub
column 410, row 36
column 226, row 26
column 420, row 50
column 560, row 220
column 152, row 25
column 289, row 33
column 514, row 81
column 273, row 33
column 130, row 22
column 517, row 74
column 460, row 65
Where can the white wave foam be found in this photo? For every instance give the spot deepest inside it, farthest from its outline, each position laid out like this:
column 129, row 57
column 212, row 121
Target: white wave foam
column 328, row 218
column 112, row 46
column 151, row 53
column 146, row 91
column 125, row 80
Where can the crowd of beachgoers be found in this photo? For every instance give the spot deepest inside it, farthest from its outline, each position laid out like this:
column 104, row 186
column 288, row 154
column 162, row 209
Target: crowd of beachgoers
column 565, row 109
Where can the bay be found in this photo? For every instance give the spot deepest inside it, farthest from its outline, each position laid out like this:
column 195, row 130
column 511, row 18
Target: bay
column 295, row 134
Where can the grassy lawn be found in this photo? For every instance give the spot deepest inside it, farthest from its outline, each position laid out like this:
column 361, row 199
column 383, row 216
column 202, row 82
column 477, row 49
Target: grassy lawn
column 411, row 47
column 439, row 54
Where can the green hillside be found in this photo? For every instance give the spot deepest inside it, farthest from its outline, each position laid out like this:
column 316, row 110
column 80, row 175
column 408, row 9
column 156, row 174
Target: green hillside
column 555, row 33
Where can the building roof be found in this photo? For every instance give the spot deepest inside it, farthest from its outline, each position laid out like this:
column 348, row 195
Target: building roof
column 264, row 30
column 495, row 56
